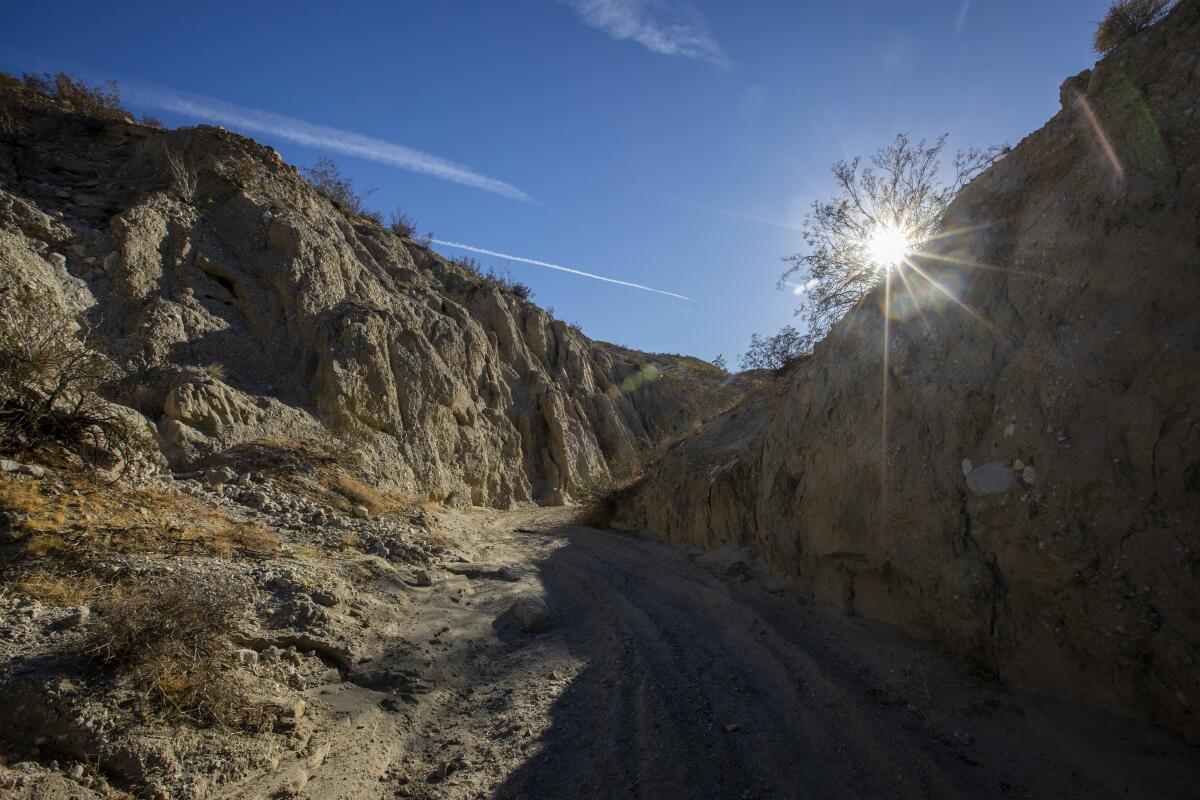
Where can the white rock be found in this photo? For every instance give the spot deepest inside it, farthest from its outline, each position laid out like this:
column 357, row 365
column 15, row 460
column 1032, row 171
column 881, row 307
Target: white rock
column 966, row 467
column 1029, row 475
column 246, row 656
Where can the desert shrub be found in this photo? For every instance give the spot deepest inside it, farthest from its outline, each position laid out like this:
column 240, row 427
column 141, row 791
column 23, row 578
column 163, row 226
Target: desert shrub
column 894, row 202
column 361, row 493
column 50, row 373
column 470, row 264
column 327, row 179
column 169, row 642
column 402, row 224
column 598, row 499
column 183, row 178
column 1125, row 19
column 720, row 363
column 502, row 280
column 102, row 101
column 151, row 121
column 775, row 352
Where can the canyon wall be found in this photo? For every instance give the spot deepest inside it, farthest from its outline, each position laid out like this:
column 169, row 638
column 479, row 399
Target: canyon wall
column 245, row 306
column 1006, row 456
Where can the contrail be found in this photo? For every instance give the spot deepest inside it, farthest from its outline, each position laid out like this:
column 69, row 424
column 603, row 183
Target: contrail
column 317, row 136
column 558, row 267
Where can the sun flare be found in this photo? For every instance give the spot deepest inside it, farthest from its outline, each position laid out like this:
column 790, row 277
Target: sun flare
column 888, row 245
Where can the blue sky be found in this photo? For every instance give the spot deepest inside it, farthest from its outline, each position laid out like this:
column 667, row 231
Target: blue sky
column 669, row 143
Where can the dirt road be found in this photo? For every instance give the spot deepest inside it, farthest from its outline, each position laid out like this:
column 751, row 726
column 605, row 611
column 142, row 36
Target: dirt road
column 671, row 674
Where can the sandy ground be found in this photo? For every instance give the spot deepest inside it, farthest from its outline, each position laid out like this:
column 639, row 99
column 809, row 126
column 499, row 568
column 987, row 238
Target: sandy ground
column 674, row 674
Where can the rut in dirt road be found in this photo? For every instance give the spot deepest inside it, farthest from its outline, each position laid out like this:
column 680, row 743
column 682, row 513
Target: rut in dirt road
column 699, row 687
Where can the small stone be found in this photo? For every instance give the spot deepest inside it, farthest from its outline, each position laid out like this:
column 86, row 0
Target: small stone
column 361, row 512
column 32, row 470
column 246, row 657
column 422, row 578
column 1009, row 430
column 58, row 260
column 1029, row 475
column 966, row 467
column 77, row 617
column 325, row 597
column 532, row 613
column 992, row 478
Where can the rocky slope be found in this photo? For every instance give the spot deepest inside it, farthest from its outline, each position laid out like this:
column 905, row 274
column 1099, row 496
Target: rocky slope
column 1015, row 473
column 198, row 247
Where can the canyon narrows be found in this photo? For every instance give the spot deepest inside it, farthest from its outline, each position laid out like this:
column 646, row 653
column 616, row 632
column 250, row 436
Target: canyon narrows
column 292, row 505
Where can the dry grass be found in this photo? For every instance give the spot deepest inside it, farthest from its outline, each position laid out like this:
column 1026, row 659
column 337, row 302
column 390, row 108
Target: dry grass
column 357, row 492
column 57, row 588
column 70, row 525
column 169, row 643
column 1125, row 19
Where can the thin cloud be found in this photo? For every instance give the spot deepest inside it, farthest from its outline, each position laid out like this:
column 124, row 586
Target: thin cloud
column 316, row 136
column 962, row 16
column 559, row 267
column 738, row 215
column 669, row 27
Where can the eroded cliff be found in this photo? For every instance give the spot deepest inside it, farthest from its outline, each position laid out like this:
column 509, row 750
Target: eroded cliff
column 199, row 247
column 1007, row 457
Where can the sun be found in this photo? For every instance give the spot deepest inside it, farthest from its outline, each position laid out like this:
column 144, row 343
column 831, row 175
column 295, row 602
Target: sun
column 888, row 245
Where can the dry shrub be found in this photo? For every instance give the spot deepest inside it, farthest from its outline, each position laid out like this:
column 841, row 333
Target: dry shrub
column 402, row 224
column 327, row 179
column 599, row 500
column 362, row 494
column 50, row 373
column 99, row 101
column 169, row 642
column 1125, row 19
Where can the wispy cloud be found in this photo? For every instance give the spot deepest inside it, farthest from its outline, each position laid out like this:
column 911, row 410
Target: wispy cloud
column 559, row 267
column 670, row 27
column 739, row 215
column 317, row 136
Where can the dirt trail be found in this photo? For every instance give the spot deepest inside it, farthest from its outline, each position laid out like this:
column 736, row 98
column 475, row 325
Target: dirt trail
column 666, row 677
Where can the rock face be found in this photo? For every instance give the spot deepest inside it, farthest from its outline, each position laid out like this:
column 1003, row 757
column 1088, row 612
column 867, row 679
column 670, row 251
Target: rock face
column 198, row 247
column 1015, row 472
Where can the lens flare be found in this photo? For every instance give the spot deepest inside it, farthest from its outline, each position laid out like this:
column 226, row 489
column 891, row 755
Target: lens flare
column 888, row 246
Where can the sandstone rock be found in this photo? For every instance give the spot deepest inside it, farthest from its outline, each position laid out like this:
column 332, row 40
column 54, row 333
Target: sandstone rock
column 459, row 391
column 246, row 657
column 531, row 611
column 1088, row 337
column 501, row 572
column 33, row 470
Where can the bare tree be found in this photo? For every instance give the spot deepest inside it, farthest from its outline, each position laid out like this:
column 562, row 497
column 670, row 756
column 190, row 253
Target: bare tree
column 883, row 210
